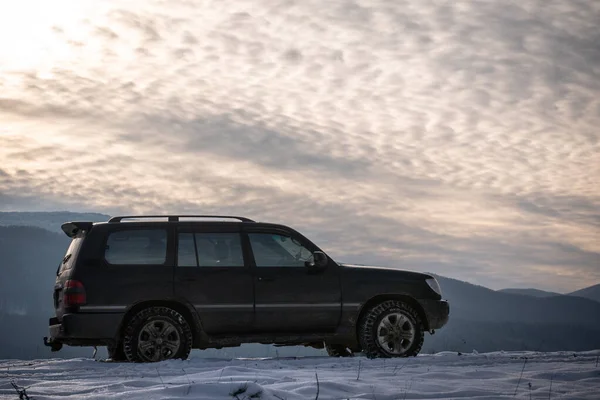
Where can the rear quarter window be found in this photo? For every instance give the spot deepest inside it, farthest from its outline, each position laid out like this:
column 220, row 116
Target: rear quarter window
column 136, row 247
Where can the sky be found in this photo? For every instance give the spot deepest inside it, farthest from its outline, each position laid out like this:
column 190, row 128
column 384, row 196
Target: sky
column 455, row 137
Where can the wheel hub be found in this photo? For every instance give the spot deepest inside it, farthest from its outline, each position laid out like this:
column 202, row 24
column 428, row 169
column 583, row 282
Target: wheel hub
column 158, row 340
column 395, row 333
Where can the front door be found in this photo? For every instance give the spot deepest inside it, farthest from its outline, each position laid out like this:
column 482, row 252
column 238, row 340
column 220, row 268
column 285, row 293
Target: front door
column 211, row 274
column 289, row 296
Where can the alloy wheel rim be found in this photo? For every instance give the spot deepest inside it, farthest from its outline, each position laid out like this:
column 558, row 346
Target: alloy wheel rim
column 395, row 333
column 158, row 340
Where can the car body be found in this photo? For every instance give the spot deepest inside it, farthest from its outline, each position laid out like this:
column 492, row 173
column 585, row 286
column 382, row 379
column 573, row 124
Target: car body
column 230, row 280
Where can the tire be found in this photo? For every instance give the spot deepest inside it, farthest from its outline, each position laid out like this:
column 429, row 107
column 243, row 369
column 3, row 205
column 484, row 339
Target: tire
column 338, row 350
column 391, row 329
column 157, row 334
column 116, row 353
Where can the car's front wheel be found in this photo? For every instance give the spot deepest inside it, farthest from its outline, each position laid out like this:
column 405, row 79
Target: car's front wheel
column 157, row 334
column 391, row 329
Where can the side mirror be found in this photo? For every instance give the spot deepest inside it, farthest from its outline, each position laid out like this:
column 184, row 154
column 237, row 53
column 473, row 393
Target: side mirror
column 321, row 259
column 318, row 262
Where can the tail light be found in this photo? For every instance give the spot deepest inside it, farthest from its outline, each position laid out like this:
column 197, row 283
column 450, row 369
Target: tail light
column 73, row 294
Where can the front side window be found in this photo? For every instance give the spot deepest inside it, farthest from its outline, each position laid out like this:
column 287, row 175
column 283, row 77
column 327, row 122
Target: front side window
column 137, row 247
column 210, row 250
column 272, row 250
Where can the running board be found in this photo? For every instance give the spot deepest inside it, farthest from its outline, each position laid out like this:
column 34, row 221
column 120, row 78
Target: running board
column 281, row 339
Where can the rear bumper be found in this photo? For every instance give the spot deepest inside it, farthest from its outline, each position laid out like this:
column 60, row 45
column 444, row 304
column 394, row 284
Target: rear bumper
column 83, row 329
column 437, row 312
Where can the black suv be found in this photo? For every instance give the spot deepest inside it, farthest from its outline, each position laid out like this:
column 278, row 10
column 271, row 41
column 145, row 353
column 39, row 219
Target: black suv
column 152, row 288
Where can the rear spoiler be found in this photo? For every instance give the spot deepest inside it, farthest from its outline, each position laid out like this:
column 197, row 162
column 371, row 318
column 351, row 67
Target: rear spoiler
column 71, row 229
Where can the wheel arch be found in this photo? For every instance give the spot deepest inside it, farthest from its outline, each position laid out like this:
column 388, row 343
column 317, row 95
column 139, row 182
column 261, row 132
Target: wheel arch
column 409, row 300
column 186, row 310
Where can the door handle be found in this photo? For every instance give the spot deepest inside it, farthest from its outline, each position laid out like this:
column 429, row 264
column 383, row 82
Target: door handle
column 263, row 279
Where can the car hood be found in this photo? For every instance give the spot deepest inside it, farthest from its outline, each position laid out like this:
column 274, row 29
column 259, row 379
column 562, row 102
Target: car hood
column 385, row 271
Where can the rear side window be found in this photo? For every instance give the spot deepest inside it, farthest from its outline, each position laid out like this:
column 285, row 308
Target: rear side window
column 137, row 247
column 210, row 250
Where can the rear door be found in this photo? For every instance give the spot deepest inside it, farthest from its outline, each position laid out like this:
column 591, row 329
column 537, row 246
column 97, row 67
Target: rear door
column 290, row 297
column 212, row 275
column 127, row 264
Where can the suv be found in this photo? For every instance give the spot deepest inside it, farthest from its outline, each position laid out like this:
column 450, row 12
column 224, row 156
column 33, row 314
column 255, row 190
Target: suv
column 152, row 288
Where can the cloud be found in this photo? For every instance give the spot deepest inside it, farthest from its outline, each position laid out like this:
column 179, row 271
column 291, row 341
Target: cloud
column 460, row 138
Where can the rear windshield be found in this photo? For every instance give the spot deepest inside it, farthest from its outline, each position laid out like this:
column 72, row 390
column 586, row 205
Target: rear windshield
column 68, row 260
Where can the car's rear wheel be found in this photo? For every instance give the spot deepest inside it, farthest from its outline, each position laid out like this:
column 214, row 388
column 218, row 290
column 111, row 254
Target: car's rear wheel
column 338, row 350
column 391, row 329
column 157, row 334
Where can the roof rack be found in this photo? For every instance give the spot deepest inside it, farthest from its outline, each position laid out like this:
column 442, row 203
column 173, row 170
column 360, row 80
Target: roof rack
column 175, row 218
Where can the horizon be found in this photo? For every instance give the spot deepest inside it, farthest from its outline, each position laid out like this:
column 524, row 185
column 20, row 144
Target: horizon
column 517, row 286
column 460, row 139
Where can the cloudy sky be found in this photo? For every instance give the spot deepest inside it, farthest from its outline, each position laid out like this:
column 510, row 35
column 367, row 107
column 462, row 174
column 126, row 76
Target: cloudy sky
column 457, row 137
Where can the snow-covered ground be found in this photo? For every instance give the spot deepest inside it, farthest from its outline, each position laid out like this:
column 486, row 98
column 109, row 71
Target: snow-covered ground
column 441, row 376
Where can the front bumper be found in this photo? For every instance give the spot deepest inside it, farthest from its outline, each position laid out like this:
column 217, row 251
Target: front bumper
column 437, row 313
column 82, row 329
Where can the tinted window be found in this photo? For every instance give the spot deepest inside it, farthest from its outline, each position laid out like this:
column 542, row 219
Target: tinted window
column 210, row 250
column 186, row 251
column 139, row 246
column 278, row 251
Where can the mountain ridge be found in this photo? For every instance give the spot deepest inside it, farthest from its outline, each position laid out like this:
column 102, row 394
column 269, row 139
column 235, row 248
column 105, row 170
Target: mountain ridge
column 530, row 292
column 590, row 292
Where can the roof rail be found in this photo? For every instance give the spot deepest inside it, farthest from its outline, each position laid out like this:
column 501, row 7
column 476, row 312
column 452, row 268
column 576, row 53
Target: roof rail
column 175, row 218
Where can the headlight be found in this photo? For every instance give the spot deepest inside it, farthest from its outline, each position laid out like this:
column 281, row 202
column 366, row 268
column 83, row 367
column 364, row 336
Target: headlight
column 434, row 285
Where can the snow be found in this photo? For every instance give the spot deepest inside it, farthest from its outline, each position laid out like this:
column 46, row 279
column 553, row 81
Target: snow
column 445, row 375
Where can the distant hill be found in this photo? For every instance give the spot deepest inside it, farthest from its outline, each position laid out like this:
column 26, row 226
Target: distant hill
column 592, row 293
column 48, row 220
column 479, row 303
column 488, row 320
column 29, row 258
column 530, row 292
column 480, row 318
